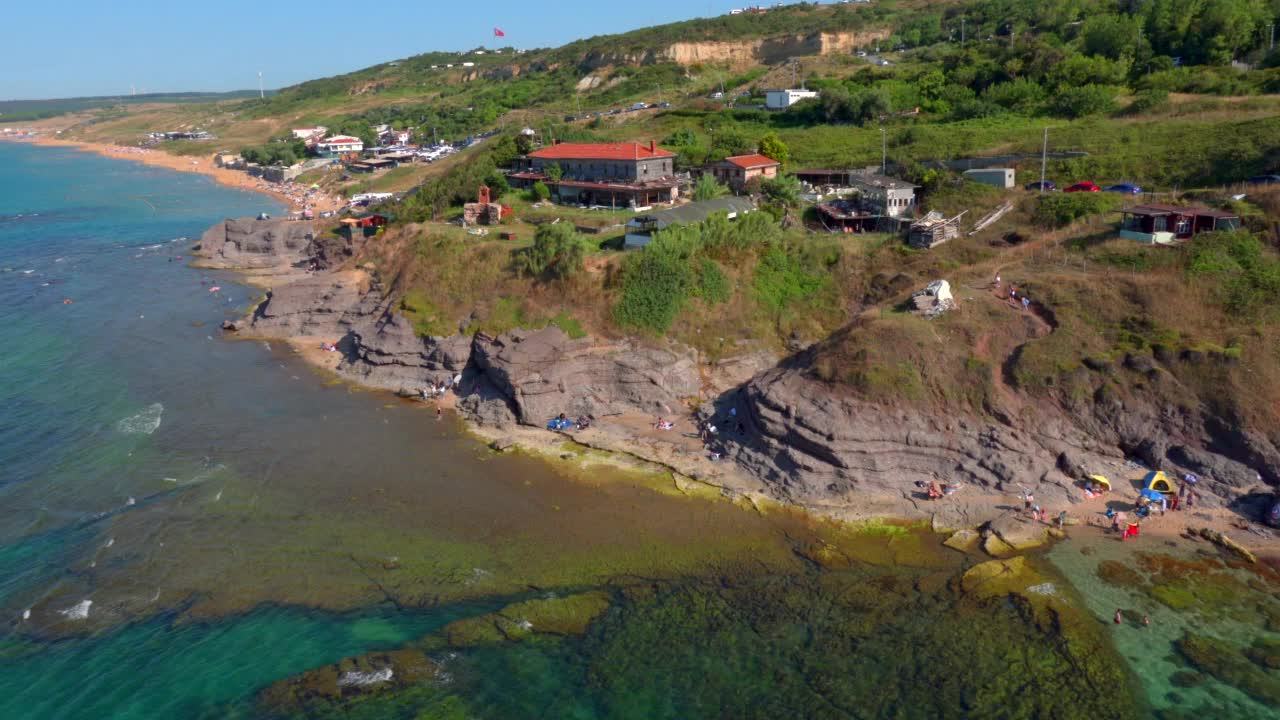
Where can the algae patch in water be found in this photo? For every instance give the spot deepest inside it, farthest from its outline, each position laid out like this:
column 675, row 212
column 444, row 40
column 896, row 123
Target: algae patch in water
column 862, row 641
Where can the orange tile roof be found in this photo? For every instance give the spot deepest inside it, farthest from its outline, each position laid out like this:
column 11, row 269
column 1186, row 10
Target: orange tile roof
column 600, row 151
column 751, row 161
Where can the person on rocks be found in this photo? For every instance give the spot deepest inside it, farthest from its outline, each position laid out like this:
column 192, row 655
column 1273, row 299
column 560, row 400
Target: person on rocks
column 934, row 492
column 1028, row 499
column 1117, row 520
column 1062, row 519
column 1131, row 531
column 1119, row 617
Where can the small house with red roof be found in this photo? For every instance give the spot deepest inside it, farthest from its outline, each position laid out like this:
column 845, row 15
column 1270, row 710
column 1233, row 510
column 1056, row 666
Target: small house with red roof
column 614, row 174
column 738, row 170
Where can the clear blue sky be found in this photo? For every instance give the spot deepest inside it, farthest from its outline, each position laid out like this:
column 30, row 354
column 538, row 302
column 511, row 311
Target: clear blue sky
column 88, row 47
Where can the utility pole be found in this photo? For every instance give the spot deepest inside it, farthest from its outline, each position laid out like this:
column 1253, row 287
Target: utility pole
column 961, row 31
column 1271, row 30
column 884, row 153
column 1044, row 158
column 261, row 93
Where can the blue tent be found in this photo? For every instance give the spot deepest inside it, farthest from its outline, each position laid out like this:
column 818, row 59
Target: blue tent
column 1152, row 494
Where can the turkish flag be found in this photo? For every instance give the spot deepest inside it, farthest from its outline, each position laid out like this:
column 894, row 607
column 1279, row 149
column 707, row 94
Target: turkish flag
column 498, row 33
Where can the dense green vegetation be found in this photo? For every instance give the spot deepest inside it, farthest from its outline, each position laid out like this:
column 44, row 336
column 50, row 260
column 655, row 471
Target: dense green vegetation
column 1246, row 276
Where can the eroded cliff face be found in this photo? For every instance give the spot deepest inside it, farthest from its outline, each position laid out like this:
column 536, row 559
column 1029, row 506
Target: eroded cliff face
column 767, row 51
column 542, row 373
column 816, row 444
column 246, row 243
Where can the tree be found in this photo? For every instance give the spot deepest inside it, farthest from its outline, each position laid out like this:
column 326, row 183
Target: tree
column 784, row 190
column 554, row 172
column 540, row 191
column 772, row 147
column 497, row 183
column 707, row 188
column 557, row 252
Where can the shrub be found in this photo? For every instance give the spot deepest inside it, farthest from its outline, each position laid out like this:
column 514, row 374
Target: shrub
column 707, row 188
column 1078, row 102
column 782, row 278
column 557, row 252
column 1148, row 100
column 540, row 191
column 1057, row 210
column 1247, row 275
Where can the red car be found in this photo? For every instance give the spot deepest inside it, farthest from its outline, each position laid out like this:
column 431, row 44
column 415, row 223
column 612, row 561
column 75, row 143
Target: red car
column 1085, row 186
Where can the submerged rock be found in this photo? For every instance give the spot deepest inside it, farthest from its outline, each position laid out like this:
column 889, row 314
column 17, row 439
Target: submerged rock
column 570, row 615
column 963, row 540
column 1231, row 666
column 351, row 678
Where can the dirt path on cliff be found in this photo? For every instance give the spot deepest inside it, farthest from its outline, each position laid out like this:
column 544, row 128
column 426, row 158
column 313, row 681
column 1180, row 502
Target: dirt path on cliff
column 1009, row 403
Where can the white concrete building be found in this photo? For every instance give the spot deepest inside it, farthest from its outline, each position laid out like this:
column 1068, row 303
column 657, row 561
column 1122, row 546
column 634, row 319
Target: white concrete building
column 783, row 99
column 309, row 132
column 338, row 145
column 888, row 196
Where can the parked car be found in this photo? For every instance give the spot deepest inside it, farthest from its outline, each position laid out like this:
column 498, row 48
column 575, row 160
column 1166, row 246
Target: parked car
column 1127, row 188
column 861, row 53
column 1085, row 186
column 664, row 104
column 717, row 95
column 1049, row 185
column 1264, row 180
column 640, row 106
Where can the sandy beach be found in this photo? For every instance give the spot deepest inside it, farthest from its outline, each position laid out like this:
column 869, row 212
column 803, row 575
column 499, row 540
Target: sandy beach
column 293, row 194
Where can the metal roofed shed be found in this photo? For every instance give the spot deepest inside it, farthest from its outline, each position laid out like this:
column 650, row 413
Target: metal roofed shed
column 1162, row 224
column 641, row 228
column 1004, row 178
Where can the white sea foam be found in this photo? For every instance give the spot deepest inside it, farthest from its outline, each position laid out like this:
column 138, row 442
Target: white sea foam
column 79, row 611
column 1043, row 589
column 110, row 542
column 151, row 247
column 27, row 272
column 26, row 614
column 360, row 679
column 144, row 423
column 171, row 480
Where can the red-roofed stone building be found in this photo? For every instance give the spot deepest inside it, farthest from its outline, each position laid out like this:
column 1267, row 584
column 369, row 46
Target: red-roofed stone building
column 736, row 171
column 614, row 174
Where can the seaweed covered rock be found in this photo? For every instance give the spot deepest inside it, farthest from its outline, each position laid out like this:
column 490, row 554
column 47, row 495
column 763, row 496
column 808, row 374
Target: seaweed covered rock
column 1231, row 666
column 350, row 678
column 570, row 615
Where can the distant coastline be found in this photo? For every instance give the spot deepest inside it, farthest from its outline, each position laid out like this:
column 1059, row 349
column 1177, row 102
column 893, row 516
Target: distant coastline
column 202, row 165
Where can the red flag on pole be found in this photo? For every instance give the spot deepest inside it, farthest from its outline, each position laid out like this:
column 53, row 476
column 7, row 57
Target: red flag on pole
column 498, row 33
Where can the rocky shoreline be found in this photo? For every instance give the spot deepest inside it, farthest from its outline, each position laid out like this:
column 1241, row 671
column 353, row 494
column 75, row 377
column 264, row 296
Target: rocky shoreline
column 785, row 436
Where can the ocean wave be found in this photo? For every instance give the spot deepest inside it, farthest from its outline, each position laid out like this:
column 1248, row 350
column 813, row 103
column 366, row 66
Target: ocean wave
column 79, row 611
column 360, row 679
column 144, row 423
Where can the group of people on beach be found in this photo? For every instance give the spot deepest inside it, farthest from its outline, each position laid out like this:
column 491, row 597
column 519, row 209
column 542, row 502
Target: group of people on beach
column 440, row 387
column 1039, row 513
